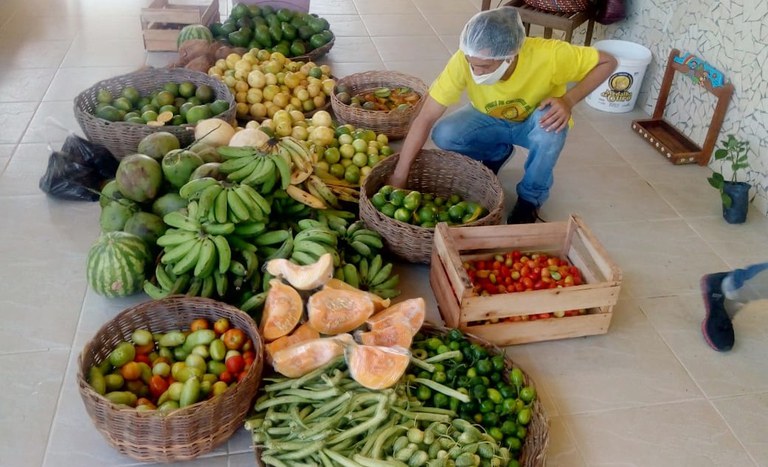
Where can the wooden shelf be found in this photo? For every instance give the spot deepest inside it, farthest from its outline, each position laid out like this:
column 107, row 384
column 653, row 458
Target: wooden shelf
column 662, row 135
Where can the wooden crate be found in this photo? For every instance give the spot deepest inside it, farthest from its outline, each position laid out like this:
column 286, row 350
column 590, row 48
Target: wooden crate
column 460, row 305
column 162, row 20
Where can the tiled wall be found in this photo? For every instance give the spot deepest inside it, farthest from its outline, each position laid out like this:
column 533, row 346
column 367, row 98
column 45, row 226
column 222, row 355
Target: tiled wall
column 730, row 35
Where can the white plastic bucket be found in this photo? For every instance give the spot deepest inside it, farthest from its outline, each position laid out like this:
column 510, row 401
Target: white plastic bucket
column 619, row 92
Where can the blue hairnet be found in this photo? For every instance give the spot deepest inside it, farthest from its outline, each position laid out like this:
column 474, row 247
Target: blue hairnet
column 493, row 34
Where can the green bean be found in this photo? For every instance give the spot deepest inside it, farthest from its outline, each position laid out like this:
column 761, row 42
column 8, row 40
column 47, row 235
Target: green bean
column 422, row 364
column 279, row 401
column 444, row 356
column 426, row 416
column 443, row 389
column 300, row 382
column 381, row 414
column 311, row 395
column 369, row 462
column 304, row 452
column 327, row 462
column 382, row 438
column 269, row 460
column 336, row 457
column 328, row 407
column 327, row 423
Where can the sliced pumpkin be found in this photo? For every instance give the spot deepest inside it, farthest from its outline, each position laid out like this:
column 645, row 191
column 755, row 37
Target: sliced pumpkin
column 376, row 367
column 411, row 311
column 396, row 334
column 378, row 302
column 282, row 310
column 308, row 277
column 302, row 334
column 297, row 360
column 333, row 311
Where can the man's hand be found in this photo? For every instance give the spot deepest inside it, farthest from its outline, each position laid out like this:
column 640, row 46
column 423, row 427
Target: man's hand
column 399, row 177
column 556, row 119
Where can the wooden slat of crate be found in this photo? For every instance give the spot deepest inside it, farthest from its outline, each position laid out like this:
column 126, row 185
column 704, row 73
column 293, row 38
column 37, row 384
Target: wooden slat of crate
column 459, row 305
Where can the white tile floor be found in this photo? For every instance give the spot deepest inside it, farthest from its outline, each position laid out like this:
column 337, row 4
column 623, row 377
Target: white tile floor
column 649, row 393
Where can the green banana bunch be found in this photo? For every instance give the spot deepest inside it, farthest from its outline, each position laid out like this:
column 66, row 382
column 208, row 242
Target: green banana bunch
column 372, row 275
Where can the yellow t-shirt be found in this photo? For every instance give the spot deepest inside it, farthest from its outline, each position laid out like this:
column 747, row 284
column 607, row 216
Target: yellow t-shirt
column 544, row 68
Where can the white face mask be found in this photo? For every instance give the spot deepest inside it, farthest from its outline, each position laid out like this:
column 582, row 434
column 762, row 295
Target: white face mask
column 492, row 77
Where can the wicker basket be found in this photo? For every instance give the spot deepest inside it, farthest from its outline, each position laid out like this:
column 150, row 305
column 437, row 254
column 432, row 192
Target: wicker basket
column 395, row 123
column 122, row 138
column 559, row 6
column 536, row 442
column 184, row 433
column 433, row 171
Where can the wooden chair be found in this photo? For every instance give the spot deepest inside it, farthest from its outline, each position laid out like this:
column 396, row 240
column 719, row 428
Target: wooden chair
column 566, row 22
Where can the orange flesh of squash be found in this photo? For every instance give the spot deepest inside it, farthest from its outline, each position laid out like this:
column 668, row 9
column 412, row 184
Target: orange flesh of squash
column 300, row 359
column 410, row 312
column 397, row 334
column 282, row 310
column 302, row 334
column 376, row 367
column 378, row 302
column 333, row 311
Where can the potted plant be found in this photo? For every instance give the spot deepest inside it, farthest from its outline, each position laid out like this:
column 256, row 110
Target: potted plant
column 734, row 194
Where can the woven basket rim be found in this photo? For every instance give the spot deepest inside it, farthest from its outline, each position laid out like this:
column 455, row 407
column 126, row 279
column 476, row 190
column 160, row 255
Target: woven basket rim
column 314, row 54
column 375, row 73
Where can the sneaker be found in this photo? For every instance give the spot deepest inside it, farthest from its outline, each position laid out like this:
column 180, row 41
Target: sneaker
column 524, row 212
column 717, row 326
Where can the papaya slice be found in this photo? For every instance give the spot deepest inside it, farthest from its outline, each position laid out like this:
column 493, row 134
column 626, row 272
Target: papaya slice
column 378, row 302
column 282, row 310
column 376, row 367
column 396, row 334
column 302, row 334
column 308, row 277
column 411, row 311
column 297, row 360
column 333, row 311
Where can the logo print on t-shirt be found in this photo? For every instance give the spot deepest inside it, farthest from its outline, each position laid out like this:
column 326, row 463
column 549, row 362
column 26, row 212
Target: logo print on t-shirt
column 515, row 110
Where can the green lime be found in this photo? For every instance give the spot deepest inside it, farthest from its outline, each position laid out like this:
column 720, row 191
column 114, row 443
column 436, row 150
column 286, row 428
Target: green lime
column 453, row 199
column 315, row 72
column 165, row 98
column 388, row 209
column 403, row 215
column 360, row 159
column 439, row 201
column 332, row 155
column 135, row 120
column 122, row 103
column 187, row 89
column 104, row 96
column 204, row 93
column 149, row 116
column 130, row 115
column 219, row 106
column 426, row 214
column 373, row 159
column 378, row 200
column 386, row 190
column 352, row 174
column 149, row 107
column 442, row 216
column 178, row 120
column 168, row 108
column 185, row 108
column 456, row 212
column 132, row 94
column 412, row 201
column 337, row 170
column 385, row 151
column 342, row 130
column 195, row 100
column 171, row 87
column 398, row 196
column 197, row 113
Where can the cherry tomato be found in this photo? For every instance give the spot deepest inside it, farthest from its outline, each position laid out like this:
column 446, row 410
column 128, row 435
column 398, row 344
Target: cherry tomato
column 142, row 357
column 157, row 386
column 234, row 339
column 235, row 364
column 221, row 326
column 527, row 283
column 199, row 323
column 144, row 349
column 131, row 371
column 226, row 377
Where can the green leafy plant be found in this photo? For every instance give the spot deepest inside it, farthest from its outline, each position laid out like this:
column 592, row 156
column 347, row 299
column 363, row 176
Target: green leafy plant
column 733, row 153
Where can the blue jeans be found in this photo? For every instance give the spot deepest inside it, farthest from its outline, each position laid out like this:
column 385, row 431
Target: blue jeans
column 748, row 284
column 490, row 140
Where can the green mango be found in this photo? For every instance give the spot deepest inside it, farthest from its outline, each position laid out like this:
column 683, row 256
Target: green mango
column 318, row 25
column 289, row 32
column 262, row 36
column 254, row 10
column 305, row 32
column 285, row 14
column 298, row 47
column 276, row 33
column 240, row 11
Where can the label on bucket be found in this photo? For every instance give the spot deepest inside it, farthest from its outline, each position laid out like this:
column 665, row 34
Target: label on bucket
column 618, row 93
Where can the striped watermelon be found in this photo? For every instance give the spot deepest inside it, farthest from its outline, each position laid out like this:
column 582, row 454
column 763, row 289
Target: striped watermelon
column 194, row 31
column 117, row 264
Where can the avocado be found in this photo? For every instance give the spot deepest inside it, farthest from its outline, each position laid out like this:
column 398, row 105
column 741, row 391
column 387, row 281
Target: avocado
column 228, row 27
column 289, row 32
column 319, row 40
column 239, row 38
column 257, row 20
column 298, row 47
column 305, row 32
column 267, row 10
column 285, row 14
column 244, row 22
column 254, row 10
column 317, row 25
column 217, row 29
column 262, row 36
column 276, row 32
column 272, row 20
column 239, row 11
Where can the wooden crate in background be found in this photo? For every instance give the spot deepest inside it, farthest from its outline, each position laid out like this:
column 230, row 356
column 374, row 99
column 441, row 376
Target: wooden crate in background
column 162, row 20
column 460, row 306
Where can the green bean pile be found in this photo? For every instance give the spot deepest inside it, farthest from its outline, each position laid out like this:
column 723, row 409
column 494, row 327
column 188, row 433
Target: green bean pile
column 325, row 418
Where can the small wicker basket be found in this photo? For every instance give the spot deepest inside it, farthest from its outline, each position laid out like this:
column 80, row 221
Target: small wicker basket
column 433, row 171
column 559, row 6
column 537, row 440
column 185, row 433
column 395, row 123
column 122, row 138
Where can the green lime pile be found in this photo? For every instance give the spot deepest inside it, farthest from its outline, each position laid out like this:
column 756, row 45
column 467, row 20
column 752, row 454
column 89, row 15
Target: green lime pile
column 425, row 209
column 172, row 104
column 352, row 153
column 289, row 32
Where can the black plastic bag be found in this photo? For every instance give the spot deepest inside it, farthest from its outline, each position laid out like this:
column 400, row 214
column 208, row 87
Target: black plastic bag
column 78, row 170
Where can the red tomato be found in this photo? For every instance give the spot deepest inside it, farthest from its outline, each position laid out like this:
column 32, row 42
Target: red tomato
column 144, row 349
column 226, row 377
column 553, row 261
column 235, row 364
column 242, row 376
column 199, row 323
column 157, row 386
column 525, row 271
column 221, row 326
column 234, row 339
column 142, row 357
column 527, row 283
column 496, row 265
column 519, row 287
column 480, row 264
column 504, row 270
column 131, row 371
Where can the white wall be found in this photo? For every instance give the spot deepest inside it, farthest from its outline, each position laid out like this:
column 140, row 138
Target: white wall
column 733, row 37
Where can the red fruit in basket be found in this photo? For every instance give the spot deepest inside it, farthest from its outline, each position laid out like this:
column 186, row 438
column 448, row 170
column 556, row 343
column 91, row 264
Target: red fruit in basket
column 226, row 376
column 199, row 323
column 233, row 339
column 157, row 386
column 221, row 326
column 235, row 364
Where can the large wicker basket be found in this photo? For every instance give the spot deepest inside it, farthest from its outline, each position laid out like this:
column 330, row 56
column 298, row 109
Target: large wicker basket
column 122, row 138
column 433, row 171
column 184, row 433
column 536, row 442
column 395, row 123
